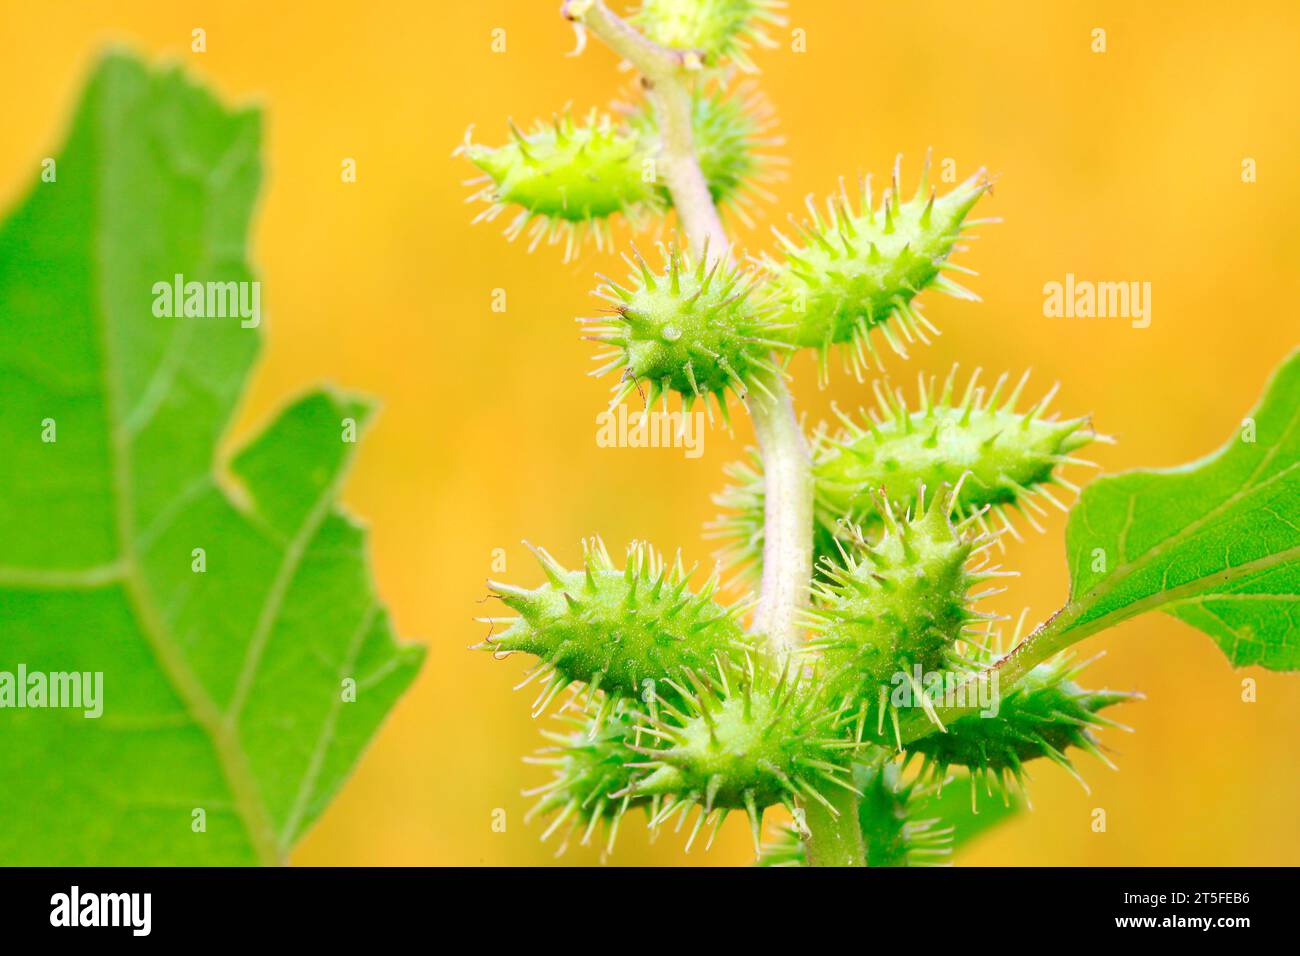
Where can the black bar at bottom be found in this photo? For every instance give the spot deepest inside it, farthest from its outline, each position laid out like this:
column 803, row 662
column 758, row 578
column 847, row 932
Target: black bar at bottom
column 337, row 906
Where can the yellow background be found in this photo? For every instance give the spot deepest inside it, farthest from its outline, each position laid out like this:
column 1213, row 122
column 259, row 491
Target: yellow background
column 1124, row 165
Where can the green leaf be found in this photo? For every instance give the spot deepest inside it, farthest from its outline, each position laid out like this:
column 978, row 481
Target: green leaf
column 1216, row 543
column 222, row 688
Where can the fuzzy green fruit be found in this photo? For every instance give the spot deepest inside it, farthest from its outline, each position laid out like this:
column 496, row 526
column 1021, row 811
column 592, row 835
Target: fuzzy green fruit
column 997, row 457
column 594, row 768
column 740, row 738
column 1000, row 460
column 896, row 606
column 619, row 630
column 696, row 330
column 858, row 272
column 1044, row 715
column 721, row 30
column 566, row 179
column 897, row 829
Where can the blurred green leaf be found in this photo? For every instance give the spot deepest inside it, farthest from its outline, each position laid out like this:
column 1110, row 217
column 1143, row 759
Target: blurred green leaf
column 969, row 818
column 222, row 687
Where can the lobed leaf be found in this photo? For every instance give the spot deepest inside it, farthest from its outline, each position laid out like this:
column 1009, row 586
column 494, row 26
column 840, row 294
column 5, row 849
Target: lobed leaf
column 222, row 686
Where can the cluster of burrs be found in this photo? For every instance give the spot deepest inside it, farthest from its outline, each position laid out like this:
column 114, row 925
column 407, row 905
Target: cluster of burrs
column 672, row 707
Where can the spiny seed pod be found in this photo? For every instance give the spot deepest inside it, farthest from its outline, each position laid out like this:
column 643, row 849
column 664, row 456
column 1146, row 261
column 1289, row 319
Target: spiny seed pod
column 1043, row 715
column 566, row 179
column 738, row 737
column 614, row 628
column 730, row 134
column 594, row 767
column 1000, row 459
column 856, row 272
column 898, row 606
column 784, row 849
column 720, row 30
column 898, row 825
column 695, row 330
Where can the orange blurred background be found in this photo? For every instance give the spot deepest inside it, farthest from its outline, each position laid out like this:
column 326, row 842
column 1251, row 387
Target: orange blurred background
column 1122, row 165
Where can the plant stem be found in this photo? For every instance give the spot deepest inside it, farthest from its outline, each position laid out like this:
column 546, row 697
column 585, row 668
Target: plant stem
column 681, row 171
column 787, row 468
column 834, row 840
column 787, row 465
column 666, row 75
column 1047, row 639
column 787, row 517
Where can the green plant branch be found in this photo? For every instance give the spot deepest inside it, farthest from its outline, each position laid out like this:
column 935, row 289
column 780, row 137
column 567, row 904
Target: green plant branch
column 653, row 61
column 1045, row 641
column 834, row 838
column 787, row 517
column 666, row 76
column 787, row 465
column 681, row 171
column 787, row 554
column 1061, row 630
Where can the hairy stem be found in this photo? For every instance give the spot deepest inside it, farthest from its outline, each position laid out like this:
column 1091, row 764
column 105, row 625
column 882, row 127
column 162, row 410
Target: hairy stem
column 1047, row 639
column 666, row 74
column 834, row 839
column 681, row 171
column 787, row 465
column 787, row 549
column 787, row 517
